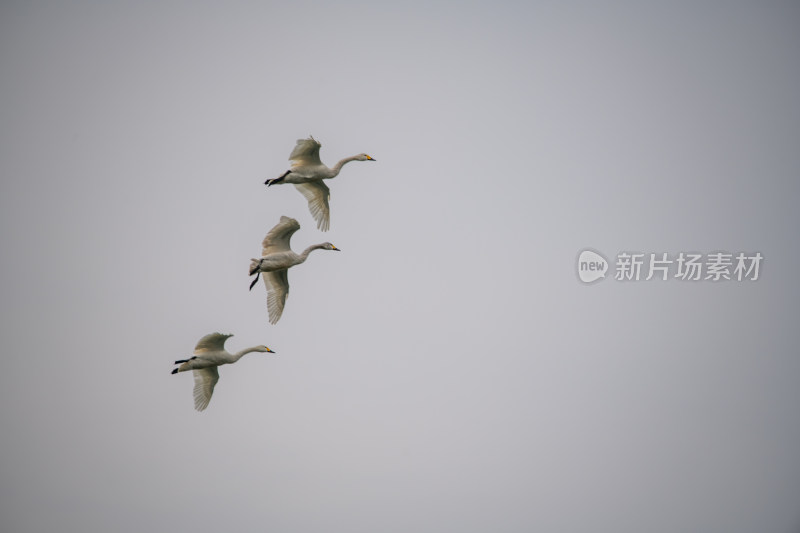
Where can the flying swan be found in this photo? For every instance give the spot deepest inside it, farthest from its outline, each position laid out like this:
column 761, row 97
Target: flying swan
column 208, row 355
column 307, row 173
column 277, row 258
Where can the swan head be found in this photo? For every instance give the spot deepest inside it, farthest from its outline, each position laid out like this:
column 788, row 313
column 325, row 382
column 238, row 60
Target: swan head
column 263, row 349
column 329, row 246
column 364, row 157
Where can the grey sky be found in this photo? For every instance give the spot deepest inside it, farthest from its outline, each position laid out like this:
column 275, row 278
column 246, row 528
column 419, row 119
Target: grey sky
column 446, row 371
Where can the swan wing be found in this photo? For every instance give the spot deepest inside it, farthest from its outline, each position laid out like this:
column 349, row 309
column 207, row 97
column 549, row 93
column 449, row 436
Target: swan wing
column 204, row 381
column 318, row 194
column 277, row 283
column 213, row 342
column 306, row 152
column 277, row 240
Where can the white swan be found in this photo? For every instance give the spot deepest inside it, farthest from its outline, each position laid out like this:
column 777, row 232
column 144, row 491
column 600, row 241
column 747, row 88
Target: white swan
column 208, row 355
column 307, row 173
column 277, row 258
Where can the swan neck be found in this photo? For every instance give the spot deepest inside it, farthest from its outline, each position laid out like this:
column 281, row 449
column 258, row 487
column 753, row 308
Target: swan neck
column 338, row 166
column 242, row 353
column 308, row 250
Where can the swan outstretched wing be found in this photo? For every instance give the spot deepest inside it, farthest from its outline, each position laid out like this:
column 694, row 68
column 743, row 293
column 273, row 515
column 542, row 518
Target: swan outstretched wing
column 306, row 152
column 204, row 381
column 317, row 194
column 277, row 240
column 277, row 283
column 213, row 342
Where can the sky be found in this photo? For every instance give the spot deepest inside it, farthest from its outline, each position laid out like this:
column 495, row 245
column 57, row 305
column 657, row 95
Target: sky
column 447, row 370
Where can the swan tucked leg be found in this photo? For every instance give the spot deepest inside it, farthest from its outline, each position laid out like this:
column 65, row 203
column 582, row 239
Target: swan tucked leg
column 278, row 179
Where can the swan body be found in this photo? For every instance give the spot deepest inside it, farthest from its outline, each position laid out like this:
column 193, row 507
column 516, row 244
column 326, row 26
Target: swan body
column 209, row 354
column 277, row 258
column 307, row 172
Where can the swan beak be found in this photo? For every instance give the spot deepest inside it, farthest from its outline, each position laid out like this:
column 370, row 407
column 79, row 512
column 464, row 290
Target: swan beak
column 335, row 248
column 269, row 351
column 371, row 158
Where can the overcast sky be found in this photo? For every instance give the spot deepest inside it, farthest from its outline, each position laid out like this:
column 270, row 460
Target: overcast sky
column 447, row 371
